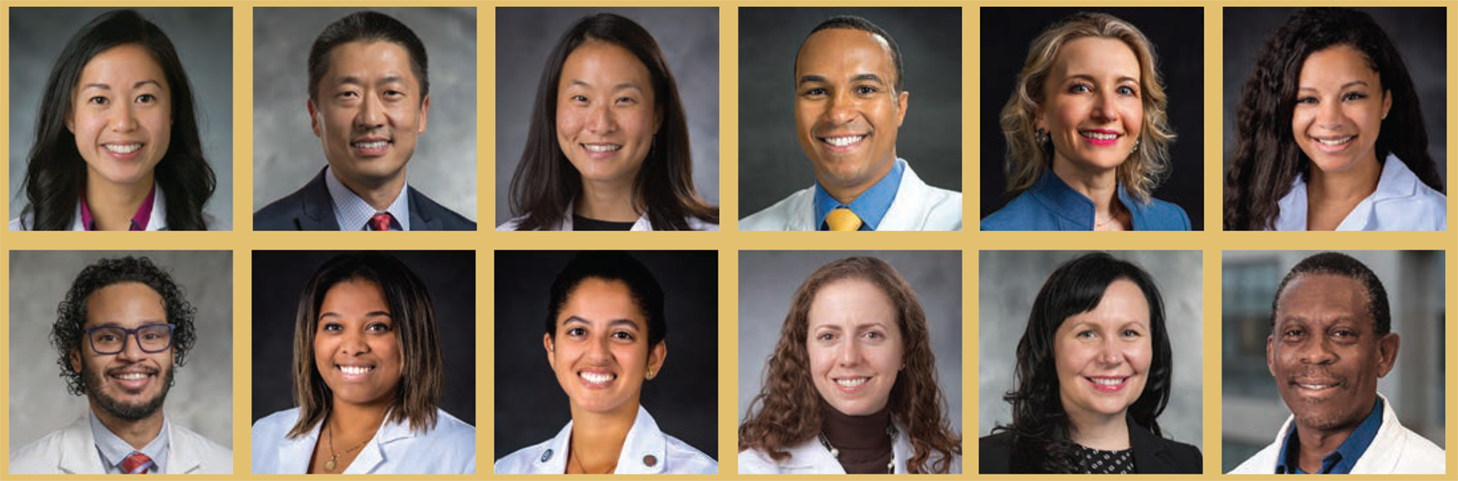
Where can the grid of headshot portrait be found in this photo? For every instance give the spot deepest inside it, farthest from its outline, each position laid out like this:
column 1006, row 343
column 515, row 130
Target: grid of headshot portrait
column 471, row 348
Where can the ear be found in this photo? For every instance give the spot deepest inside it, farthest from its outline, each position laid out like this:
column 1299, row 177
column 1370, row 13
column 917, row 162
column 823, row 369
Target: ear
column 1386, row 103
column 551, row 349
column 902, row 100
column 656, row 357
column 314, row 121
column 1270, row 359
column 1387, row 353
column 71, row 121
column 424, row 113
column 75, row 358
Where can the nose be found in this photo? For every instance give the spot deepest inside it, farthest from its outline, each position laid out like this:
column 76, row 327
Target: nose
column 1329, row 116
column 1318, row 351
column 601, row 119
column 123, row 119
column 1111, row 352
column 371, row 113
column 850, row 353
column 842, row 108
column 1103, row 108
column 353, row 343
column 597, row 349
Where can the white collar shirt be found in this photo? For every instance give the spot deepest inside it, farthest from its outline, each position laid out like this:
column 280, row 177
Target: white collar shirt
column 353, row 213
column 1401, row 202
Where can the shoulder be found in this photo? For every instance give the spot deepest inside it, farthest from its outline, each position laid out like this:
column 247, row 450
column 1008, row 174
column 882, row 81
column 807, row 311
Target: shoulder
column 279, row 214
column 449, row 219
column 993, row 453
column 1419, row 455
column 511, row 225
column 20, row 223
column 694, row 223
column 40, row 456
column 1161, row 215
column 1263, row 462
column 521, row 460
column 453, row 430
column 1022, row 213
column 207, row 447
column 1186, row 458
column 755, row 461
column 778, row 216
column 686, row 459
column 274, row 426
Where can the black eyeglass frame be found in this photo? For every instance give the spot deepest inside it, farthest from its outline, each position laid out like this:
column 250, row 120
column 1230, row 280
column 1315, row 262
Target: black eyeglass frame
column 130, row 333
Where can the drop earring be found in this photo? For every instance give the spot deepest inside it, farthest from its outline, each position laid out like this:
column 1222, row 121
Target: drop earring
column 1136, row 147
column 1041, row 137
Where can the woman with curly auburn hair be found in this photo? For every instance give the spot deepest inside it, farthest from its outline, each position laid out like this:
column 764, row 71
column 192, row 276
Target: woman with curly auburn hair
column 851, row 386
column 1087, row 132
column 1329, row 133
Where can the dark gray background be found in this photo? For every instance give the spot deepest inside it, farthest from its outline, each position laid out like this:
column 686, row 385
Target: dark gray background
column 202, row 399
column 286, row 154
column 768, row 279
column 1176, row 33
column 279, row 279
column 689, row 38
column 771, row 163
column 204, row 41
column 530, row 405
column 1420, row 34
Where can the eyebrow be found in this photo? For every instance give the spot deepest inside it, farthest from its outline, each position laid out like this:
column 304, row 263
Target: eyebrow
column 145, row 323
column 108, row 86
column 367, row 314
column 621, row 86
column 350, row 79
column 614, row 322
column 1090, row 78
column 1344, row 86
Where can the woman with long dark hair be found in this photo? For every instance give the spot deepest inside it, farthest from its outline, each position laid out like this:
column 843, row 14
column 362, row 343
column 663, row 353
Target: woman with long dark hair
column 608, row 145
column 116, row 144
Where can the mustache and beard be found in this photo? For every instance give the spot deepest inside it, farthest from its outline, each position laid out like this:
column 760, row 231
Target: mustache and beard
column 93, row 380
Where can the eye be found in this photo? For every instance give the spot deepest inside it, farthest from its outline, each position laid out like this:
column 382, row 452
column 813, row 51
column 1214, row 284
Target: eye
column 377, row 327
column 576, row 332
column 98, row 100
column 825, row 336
column 1131, row 333
column 1344, row 334
column 146, row 98
column 1306, row 100
column 331, row 327
column 866, row 90
column 1128, row 90
column 1293, row 333
column 627, row 100
column 578, row 98
column 1086, row 335
column 394, row 94
column 1354, row 96
column 107, row 337
column 623, row 336
column 814, row 92
column 1080, row 88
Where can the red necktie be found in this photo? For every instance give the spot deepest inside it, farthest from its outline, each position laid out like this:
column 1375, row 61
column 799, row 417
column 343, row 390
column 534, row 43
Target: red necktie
column 380, row 221
column 137, row 463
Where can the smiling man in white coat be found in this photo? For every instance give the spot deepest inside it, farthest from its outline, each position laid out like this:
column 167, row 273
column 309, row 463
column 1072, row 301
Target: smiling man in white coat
column 1330, row 341
column 849, row 104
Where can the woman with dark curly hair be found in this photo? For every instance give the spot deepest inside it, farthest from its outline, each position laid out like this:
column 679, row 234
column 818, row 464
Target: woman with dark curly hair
column 1329, row 133
column 851, row 386
column 1093, row 374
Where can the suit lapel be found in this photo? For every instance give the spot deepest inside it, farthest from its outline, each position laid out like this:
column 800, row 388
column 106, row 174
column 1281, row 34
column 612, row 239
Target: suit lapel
column 183, row 458
column 1149, row 455
column 422, row 212
column 317, row 213
column 78, row 450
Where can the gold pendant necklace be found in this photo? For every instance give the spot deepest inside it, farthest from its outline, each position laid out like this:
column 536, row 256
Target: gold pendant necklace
column 333, row 461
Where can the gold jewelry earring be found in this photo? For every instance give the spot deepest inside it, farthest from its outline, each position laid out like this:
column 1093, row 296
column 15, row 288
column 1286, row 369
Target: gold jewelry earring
column 650, row 373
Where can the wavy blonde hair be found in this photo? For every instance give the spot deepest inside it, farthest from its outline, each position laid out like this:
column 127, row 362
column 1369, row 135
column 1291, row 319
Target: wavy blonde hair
column 1027, row 158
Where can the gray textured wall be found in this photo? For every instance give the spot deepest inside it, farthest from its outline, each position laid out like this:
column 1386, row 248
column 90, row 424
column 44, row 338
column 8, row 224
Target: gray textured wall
column 204, row 42
column 202, row 399
column 1008, row 281
column 771, row 163
column 689, row 38
column 768, row 279
column 286, row 154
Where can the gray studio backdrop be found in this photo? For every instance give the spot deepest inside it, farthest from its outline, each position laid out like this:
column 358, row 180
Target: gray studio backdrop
column 1420, row 34
column 689, row 38
column 286, row 154
column 771, row 163
column 768, row 279
column 1010, row 280
column 204, row 41
column 202, row 399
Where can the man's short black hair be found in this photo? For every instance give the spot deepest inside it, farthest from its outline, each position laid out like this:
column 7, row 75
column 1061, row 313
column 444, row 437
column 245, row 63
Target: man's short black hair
column 1338, row 264
column 68, row 331
column 857, row 23
column 366, row 26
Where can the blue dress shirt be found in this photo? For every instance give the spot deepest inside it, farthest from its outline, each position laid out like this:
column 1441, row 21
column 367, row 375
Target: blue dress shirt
column 353, row 213
column 871, row 206
column 1050, row 204
column 114, row 450
column 1339, row 461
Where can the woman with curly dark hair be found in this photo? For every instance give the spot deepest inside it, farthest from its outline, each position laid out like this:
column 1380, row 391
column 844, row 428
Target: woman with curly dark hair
column 1329, row 133
column 851, row 386
column 1093, row 375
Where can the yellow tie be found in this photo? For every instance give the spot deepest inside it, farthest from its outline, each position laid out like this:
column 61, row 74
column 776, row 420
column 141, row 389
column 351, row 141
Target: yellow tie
column 842, row 219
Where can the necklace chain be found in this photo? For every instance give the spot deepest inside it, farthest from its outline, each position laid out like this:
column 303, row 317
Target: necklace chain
column 835, row 453
column 572, row 454
column 333, row 461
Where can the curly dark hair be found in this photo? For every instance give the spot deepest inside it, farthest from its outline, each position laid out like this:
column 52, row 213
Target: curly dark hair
column 1040, row 430
column 787, row 409
column 69, row 329
column 1266, row 160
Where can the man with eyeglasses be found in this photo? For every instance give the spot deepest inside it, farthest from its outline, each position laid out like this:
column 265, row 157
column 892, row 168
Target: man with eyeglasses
column 121, row 332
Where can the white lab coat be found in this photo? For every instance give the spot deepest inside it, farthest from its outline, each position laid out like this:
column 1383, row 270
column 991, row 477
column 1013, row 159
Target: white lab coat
column 641, row 225
column 1401, row 202
column 450, row 448
column 646, row 450
column 811, row 457
column 72, row 450
column 157, row 222
column 917, row 207
column 1395, row 450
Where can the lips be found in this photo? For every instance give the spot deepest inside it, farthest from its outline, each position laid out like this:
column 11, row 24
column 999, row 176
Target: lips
column 1317, row 385
column 371, row 146
column 1100, row 137
column 850, row 384
column 123, row 150
column 354, row 372
column 1333, row 144
column 597, row 379
column 844, row 142
column 1108, row 383
column 132, row 378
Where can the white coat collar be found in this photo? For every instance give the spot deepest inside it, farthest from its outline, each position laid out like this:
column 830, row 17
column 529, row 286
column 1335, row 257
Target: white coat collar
column 907, row 211
column 158, row 221
column 79, row 456
column 645, row 450
column 1396, row 182
column 642, row 224
column 811, row 457
column 294, row 454
column 1379, row 457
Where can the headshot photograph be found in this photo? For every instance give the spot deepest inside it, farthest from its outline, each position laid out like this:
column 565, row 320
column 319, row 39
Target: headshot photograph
column 850, row 362
column 1335, row 119
column 1332, row 362
column 614, row 126
column 121, row 119
column 364, row 362
column 121, row 362
column 1092, row 119
column 1104, row 376
column 336, row 125
column 606, row 362
column 824, row 94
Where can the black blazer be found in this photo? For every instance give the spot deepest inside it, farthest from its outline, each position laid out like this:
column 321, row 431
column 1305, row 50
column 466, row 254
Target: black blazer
column 311, row 208
column 1152, row 454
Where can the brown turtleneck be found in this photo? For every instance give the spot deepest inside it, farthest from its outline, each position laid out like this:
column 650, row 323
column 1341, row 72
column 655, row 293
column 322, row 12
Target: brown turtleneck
column 864, row 446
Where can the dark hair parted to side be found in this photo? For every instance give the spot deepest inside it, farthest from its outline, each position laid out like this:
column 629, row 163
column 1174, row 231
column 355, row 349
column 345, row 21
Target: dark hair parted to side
column 422, row 376
column 55, row 172
column 857, row 23
column 787, row 412
column 545, row 182
column 367, row 26
column 610, row 266
column 1266, row 158
column 69, row 328
column 1040, row 431
column 1338, row 264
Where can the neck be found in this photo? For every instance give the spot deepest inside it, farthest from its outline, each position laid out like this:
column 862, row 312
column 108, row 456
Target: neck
column 611, row 202
column 379, row 195
column 137, row 434
column 355, row 422
column 1109, row 433
column 1318, row 443
column 113, row 205
column 845, row 193
column 597, row 438
column 1353, row 185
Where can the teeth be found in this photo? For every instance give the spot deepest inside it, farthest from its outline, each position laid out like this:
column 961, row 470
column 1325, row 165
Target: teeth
column 596, row 378
column 378, row 144
column 1316, row 387
column 852, row 382
column 132, row 376
column 1108, row 382
column 1335, row 142
column 844, row 141
column 602, row 147
column 123, row 148
column 1099, row 136
column 354, row 370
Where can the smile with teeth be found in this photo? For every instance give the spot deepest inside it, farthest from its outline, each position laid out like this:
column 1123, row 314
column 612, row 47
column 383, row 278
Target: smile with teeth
column 355, row 370
column 852, row 381
column 1108, row 381
column 597, row 378
column 843, row 141
column 1335, row 141
column 1098, row 135
column 123, row 148
column 132, row 376
column 601, row 147
column 373, row 144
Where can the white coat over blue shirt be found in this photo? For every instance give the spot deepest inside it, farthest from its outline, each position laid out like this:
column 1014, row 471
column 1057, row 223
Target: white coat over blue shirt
column 917, row 206
column 1395, row 450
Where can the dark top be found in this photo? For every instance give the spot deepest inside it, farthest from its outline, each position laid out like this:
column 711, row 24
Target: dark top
column 1152, row 454
column 311, row 208
column 1099, row 461
column 862, row 442
column 583, row 223
column 1346, row 455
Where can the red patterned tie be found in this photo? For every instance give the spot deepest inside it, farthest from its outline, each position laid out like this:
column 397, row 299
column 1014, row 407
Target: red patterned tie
column 380, row 221
column 137, row 463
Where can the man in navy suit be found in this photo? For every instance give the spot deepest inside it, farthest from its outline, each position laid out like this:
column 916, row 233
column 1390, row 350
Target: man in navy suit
column 369, row 97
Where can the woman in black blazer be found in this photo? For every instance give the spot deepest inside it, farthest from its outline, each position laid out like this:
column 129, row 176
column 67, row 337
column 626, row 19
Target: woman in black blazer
column 1093, row 374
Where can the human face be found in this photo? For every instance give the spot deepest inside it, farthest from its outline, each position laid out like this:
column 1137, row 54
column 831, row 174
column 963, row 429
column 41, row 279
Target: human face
column 855, row 346
column 1325, row 353
column 1103, row 355
column 847, row 110
column 606, row 113
column 1339, row 109
column 369, row 112
column 121, row 116
column 1092, row 109
column 356, row 348
column 132, row 384
column 600, row 352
